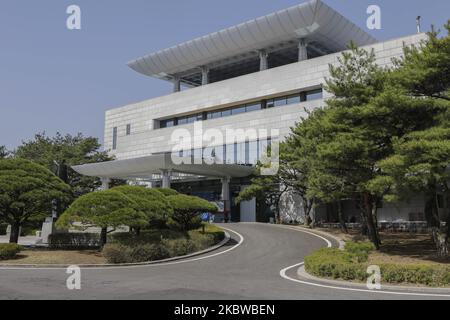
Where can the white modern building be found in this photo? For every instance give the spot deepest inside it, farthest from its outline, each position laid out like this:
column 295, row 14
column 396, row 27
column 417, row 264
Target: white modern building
column 263, row 74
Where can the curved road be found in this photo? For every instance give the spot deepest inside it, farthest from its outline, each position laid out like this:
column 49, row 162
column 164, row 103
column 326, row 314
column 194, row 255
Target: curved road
column 246, row 268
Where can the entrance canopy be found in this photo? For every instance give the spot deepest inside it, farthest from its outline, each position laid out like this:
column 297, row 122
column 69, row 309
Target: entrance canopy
column 146, row 167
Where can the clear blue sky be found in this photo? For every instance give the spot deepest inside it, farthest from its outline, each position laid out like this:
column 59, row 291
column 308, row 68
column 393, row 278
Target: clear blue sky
column 53, row 79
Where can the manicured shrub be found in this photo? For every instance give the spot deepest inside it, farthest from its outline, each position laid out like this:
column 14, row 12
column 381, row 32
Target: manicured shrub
column 167, row 192
column 104, row 209
column 152, row 202
column 117, row 253
column 74, row 241
column 9, row 251
column 337, row 264
column 187, row 211
column 146, row 236
column 181, row 247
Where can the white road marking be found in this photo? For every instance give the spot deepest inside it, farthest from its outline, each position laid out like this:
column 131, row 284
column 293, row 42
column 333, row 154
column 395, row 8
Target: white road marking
column 241, row 240
column 285, row 276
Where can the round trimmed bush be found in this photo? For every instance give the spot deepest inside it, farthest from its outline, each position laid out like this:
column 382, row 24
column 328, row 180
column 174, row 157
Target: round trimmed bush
column 187, row 211
column 9, row 251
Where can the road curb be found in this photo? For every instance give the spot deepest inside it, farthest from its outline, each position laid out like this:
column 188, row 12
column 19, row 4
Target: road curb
column 303, row 275
column 95, row 266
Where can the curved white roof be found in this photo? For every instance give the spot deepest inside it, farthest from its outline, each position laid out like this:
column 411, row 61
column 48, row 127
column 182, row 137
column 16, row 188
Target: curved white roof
column 146, row 166
column 313, row 20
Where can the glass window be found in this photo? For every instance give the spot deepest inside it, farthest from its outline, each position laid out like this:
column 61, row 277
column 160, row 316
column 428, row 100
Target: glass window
column 230, row 154
column 280, row 102
column 240, row 153
column 128, row 129
column 314, row 95
column 253, row 107
column 198, row 156
column 192, row 119
column 182, row 121
column 238, row 110
column 270, row 103
column 293, row 99
column 252, row 153
column 114, row 143
column 263, row 148
column 214, row 115
column 167, row 123
column 226, row 113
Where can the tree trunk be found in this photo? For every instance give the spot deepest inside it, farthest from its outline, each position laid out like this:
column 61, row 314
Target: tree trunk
column 341, row 217
column 370, row 213
column 103, row 237
column 439, row 234
column 15, row 233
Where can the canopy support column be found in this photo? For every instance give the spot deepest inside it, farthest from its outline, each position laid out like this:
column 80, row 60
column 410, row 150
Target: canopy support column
column 166, row 177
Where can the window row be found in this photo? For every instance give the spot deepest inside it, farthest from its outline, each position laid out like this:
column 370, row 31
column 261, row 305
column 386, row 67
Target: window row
column 265, row 104
column 245, row 153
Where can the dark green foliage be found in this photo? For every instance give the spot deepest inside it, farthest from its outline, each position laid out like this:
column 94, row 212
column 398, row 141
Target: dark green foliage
column 66, row 150
column 159, row 244
column 152, row 202
column 27, row 191
column 167, row 192
column 352, row 264
column 117, row 254
column 187, row 211
column 103, row 209
column 3, row 152
column 74, row 241
column 9, row 250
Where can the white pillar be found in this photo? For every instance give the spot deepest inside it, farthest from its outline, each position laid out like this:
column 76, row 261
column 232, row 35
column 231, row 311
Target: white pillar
column 205, row 76
column 302, row 50
column 166, row 179
column 105, row 183
column 263, row 60
column 226, row 189
column 176, row 84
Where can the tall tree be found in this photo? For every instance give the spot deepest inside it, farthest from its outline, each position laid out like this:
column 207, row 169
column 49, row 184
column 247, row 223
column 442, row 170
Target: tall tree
column 3, row 152
column 103, row 209
column 61, row 152
column 27, row 191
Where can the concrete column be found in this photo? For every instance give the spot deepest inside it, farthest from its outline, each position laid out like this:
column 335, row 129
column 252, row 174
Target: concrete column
column 176, row 84
column 205, row 76
column 166, row 179
column 302, row 50
column 263, row 60
column 105, row 183
column 226, row 198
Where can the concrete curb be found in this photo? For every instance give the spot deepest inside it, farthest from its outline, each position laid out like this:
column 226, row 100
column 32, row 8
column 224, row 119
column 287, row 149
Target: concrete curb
column 303, row 275
column 94, row 266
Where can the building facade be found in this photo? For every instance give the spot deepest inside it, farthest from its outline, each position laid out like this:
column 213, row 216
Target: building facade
column 257, row 79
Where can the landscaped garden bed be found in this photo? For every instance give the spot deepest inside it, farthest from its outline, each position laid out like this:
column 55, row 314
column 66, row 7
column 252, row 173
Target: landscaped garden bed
column 149, row 246
column 413, row 265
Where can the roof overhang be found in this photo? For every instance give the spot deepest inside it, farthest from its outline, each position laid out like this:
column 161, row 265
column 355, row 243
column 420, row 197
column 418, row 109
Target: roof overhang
column 145, row 167
column 321, row 26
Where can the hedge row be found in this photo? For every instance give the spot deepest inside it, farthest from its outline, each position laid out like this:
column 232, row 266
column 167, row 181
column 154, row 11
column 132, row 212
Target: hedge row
column 9, row 251
column 146, row 248
column 78, row 241
column 351, row 265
